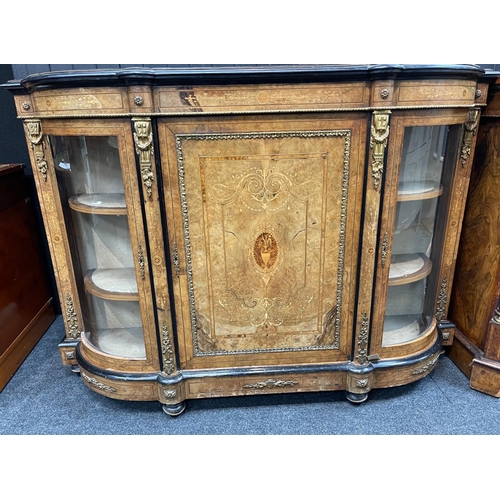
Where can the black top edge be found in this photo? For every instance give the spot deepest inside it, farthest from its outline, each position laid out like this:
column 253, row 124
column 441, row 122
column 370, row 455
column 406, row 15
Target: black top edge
column 240, row 74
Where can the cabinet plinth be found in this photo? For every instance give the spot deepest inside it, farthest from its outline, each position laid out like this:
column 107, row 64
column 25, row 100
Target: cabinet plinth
column 246, row 230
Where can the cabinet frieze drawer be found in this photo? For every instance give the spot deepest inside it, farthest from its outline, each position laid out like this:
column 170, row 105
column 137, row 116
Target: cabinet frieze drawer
column 265, row 384
column 263, row 98
column 444, row 94
column 80, row 101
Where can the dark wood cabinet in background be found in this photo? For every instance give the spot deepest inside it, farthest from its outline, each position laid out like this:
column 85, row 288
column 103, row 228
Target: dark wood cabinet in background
column 475, row 300
column 26, row 309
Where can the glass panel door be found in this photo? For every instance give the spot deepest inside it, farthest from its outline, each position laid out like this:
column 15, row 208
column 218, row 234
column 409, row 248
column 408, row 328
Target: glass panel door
column 416, row 245
column 94, row 204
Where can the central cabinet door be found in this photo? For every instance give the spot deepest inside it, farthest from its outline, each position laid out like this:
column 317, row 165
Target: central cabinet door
column 263, row 224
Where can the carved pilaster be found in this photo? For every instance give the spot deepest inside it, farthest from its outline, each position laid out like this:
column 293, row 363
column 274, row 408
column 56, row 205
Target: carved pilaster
column 35, row 136
column 378, row 143
column 143, row 139
column 469, row 132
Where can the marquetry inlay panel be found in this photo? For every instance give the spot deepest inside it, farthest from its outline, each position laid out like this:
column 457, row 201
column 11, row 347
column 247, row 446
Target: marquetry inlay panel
column 264, row 223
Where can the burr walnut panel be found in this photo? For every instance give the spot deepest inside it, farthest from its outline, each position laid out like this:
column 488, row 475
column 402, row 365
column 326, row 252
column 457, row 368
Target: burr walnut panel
column 266, row 97
column 267, row 238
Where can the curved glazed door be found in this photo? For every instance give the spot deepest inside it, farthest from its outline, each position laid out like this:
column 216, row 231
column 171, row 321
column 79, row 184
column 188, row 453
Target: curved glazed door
column 264, row 226
column 98, row 209
column 418, row 231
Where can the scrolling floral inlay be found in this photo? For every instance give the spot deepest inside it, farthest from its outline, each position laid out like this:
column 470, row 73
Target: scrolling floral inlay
column 276, row 189
column 469, row 133
column 271, row 384
column 71, row 318
column 166, row 349
column 143, row 139
column 35, row 136
column 362, row 356
column 442, row 299
column 378, row 143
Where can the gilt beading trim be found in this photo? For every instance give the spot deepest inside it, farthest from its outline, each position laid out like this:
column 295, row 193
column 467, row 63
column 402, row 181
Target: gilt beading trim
column 246, row 112
column 346, row 134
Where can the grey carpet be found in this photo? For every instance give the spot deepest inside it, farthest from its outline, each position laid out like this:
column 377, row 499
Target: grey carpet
column 46, row 398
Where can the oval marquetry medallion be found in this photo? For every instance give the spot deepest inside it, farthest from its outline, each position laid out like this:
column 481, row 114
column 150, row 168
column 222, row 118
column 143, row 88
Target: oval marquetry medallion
column 265, row 251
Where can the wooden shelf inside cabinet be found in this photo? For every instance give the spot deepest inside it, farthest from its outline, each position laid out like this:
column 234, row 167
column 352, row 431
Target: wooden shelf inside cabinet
column 99, row 203
column 122, row 342
column 419, row 191
column 405, row 328
column 407, row 268
column 112, row 284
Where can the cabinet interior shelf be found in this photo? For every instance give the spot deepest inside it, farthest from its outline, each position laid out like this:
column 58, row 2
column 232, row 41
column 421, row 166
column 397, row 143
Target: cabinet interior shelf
column 122, row 342
column 419, row 191
column 112, row 284
column 99, row 203
column 407, row 268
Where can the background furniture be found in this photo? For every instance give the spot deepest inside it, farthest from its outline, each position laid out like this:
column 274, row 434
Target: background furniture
column 25, row 301
column 475, row 301
column 243, row 230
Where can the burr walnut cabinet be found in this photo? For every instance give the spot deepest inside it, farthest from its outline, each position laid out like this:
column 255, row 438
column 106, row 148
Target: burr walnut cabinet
column 224, row 231
column 475, row 299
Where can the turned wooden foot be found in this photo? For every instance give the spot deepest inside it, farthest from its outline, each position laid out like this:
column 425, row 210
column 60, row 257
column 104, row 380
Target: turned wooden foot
column 174, row 410
column 356, row 398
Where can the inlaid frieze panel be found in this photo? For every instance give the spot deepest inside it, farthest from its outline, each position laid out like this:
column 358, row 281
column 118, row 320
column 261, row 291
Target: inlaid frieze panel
column 264, row 223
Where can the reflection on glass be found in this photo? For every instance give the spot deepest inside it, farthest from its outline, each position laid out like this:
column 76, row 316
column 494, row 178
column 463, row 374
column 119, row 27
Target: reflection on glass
column 92, row 195
column 408, row 315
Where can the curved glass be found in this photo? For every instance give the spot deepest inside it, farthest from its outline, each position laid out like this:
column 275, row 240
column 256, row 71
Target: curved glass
column 409, row 310
column 92, row 195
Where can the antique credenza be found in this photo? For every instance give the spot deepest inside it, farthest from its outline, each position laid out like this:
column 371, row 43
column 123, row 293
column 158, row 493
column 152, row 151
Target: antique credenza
column 224, row 231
